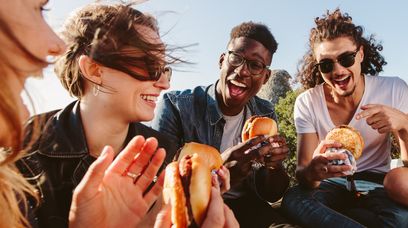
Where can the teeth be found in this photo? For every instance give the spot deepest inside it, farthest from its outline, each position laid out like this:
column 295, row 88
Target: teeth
column 149, row 98
column 341, row 79
column 239, row 84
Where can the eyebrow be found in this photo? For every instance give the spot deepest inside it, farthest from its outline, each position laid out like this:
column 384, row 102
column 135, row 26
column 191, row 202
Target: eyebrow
column 342, row 54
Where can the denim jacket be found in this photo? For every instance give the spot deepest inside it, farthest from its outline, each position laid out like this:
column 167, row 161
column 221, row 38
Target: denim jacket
column 194, row 116
column 59, row 158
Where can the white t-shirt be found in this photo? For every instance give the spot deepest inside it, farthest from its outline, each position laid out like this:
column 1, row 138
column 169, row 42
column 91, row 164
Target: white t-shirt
column 311, row 116
column 231, row 135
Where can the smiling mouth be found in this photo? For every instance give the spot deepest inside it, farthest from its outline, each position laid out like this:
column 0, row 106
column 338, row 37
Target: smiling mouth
column 342, row 82
column 236, row 88
column 149, row 98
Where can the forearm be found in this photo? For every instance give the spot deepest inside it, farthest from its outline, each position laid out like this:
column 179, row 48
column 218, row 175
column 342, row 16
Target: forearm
column 271, row 184
column 403, row 143
column 305, row 179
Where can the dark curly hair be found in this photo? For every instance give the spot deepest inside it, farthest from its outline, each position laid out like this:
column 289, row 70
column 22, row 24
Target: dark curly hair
column 255, row 31
column 329, row 27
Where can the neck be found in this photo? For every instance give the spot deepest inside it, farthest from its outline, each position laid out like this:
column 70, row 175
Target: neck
column 102, row 128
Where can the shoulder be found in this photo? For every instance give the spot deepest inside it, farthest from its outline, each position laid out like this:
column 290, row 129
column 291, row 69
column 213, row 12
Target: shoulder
column 181, row 99
column 380, row 81
column 310, row 95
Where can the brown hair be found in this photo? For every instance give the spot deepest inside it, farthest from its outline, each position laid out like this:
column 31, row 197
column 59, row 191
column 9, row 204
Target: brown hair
column 13, row 187
column 105, row 33
column 331, row 26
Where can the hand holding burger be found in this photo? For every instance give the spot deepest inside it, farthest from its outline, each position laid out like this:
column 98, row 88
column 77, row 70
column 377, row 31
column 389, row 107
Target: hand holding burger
column 258, row 125
column 187, row 185
column 352, row 145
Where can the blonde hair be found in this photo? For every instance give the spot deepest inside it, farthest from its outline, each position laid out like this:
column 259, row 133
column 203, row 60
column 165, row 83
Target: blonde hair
column 14, row 189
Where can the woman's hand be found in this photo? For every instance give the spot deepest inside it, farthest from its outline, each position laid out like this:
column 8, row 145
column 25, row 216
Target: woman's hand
column 218, row 214
column 224, row 179
column 114, row 194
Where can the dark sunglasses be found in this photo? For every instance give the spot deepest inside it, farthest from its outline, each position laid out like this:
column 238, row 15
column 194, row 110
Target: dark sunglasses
column 154, row 74
column 346, row 60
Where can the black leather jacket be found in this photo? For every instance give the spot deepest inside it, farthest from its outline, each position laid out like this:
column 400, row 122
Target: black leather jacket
column 59, row 158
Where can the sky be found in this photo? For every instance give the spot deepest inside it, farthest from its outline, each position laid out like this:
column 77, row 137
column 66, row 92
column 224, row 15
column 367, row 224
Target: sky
column 208, row 24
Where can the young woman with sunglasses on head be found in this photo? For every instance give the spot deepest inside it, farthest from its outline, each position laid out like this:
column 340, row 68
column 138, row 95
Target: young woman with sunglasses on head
column 104, row 184
column 115, row 64
column 340, row 72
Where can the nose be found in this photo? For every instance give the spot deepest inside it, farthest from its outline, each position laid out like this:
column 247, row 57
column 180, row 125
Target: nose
column 57, row 46
column 338, row 68
column 243, row 70
column 163, row 83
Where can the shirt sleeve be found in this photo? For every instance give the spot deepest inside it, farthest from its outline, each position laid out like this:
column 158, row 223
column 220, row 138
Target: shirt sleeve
column 302, row 115
column 401, row 98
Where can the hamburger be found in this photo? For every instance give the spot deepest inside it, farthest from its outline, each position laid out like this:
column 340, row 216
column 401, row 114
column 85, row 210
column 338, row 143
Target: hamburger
column 258, row 125
column 352, row 146
column 350, row 139
column 187, row 183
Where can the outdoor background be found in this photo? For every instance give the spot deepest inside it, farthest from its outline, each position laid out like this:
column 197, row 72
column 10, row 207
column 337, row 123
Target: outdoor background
column 208, row 23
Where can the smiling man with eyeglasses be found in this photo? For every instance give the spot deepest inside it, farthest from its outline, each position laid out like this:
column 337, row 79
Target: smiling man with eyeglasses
column 215, row 115
column 340, row 72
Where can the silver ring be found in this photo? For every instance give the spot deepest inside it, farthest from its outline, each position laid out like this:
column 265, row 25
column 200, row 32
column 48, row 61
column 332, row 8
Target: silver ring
column 155, row 179
column 133, row 176
column 325, row 169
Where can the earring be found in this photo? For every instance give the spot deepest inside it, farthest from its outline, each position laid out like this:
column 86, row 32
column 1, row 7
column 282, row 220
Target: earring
column 95, row 90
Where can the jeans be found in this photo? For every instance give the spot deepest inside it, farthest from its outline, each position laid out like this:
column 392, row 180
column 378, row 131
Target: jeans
column 332, row 205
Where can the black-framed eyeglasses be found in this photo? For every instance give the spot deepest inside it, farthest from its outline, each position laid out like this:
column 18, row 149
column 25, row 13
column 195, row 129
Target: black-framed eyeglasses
column 346, row 60
column 254, row 67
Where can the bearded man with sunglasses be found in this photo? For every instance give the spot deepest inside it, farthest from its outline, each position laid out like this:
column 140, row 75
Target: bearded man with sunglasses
column 340, row 72
column 215, row 115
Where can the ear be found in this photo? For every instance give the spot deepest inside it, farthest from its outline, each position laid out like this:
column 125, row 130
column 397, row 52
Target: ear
column 221, row 60
column 361, row 53
column 90, row 69
column 267, row 76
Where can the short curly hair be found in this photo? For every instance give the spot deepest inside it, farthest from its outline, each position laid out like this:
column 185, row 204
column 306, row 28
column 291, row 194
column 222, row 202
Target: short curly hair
column 331, row 26
column 255, row 31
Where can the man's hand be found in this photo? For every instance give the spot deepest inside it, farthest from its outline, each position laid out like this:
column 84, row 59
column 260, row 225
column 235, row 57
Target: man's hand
column 270, row 151
column 278, row 151
column 382, row 118
column 320, row 168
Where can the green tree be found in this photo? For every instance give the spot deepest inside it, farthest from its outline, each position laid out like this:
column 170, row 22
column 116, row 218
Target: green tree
column 284, row 111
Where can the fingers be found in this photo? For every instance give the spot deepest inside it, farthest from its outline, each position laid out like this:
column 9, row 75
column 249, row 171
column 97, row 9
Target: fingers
column 224, row 174
column 324, row 144
column 163, row 219
column 230, row 220
column 322, row 169
column 94, row 176
column 126, row 156
column 368, row 110
column 141, row 150
column 155, row 191
column 151, row 169
column 215, row 213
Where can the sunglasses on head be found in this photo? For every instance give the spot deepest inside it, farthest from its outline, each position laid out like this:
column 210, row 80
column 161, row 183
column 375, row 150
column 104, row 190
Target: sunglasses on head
column 346, row 60
column 154, row 74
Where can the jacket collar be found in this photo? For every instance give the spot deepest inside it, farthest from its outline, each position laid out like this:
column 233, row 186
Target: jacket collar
column 63, row 134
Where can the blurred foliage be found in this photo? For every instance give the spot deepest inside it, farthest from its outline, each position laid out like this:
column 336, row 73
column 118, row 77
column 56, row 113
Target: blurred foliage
column 284, row 111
